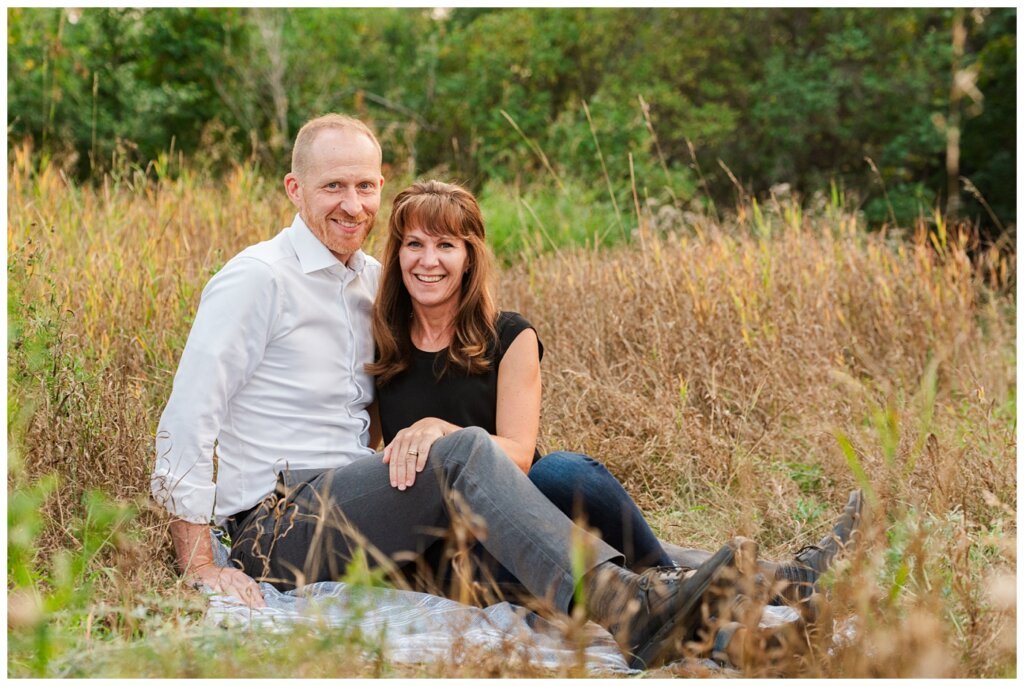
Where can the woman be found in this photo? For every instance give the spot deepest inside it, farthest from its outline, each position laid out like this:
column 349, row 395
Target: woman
column 448, row 359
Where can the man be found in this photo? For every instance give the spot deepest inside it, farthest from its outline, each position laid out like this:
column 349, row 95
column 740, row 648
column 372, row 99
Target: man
column 272, row 379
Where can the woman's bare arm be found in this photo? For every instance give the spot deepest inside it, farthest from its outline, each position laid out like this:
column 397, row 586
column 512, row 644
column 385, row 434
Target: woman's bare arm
column 519, row 390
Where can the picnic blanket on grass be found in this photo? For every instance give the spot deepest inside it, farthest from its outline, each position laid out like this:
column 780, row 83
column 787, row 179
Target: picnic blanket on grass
column 415, row 628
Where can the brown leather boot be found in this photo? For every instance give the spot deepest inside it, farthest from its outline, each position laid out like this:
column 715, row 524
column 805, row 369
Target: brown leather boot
column 651, row 615
column 810, row 562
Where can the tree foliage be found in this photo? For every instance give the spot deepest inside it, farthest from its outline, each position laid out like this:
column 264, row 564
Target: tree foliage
column 800, row 96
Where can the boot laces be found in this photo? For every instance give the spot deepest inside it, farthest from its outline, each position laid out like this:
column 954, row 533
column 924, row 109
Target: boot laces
column 796, row 570
column 662, row 576
column 807, row 549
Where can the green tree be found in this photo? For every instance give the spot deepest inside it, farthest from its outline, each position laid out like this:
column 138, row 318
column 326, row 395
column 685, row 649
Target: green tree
column 988, row 145
column 796, row 95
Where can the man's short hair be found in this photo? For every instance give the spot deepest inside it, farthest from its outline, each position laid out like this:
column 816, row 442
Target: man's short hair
column 307, row 136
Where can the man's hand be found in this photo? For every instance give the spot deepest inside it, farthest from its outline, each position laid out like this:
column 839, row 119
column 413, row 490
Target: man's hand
column 195, row 559
column 230, row 581
column 407, row 453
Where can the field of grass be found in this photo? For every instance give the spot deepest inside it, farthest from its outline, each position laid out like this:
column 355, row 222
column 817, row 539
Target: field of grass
column 739, row 374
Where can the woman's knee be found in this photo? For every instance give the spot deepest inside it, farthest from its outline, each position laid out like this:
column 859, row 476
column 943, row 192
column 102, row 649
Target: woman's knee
column 563, row 467
column 562, row 476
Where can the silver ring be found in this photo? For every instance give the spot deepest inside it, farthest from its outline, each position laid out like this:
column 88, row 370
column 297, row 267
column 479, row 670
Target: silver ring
column 414, row 453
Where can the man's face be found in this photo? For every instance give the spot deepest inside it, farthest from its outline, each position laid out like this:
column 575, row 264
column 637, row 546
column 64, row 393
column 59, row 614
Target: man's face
column 338, row 194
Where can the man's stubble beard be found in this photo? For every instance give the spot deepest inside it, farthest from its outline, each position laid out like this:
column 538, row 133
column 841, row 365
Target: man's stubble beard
column 341, row 246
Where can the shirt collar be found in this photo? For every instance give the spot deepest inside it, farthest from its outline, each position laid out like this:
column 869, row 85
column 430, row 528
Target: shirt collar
column 313, row 254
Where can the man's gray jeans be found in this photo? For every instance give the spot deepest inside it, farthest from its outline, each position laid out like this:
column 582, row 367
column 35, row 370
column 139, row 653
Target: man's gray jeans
column 310, row 529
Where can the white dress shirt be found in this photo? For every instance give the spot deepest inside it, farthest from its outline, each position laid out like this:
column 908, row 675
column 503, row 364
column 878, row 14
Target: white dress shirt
column 273, row 371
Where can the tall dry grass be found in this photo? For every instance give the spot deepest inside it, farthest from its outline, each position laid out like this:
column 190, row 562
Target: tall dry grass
column 740, row 377
column 720, row 370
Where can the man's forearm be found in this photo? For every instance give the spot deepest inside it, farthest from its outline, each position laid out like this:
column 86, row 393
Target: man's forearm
column 192, row 545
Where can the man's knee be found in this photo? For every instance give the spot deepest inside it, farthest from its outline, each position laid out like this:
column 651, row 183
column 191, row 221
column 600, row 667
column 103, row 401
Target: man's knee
column 459, row 446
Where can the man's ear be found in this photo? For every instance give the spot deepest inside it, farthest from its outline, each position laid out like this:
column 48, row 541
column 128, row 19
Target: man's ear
column 291, row 187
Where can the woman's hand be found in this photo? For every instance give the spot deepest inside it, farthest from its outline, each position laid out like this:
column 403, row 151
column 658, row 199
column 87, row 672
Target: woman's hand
column 408, row 451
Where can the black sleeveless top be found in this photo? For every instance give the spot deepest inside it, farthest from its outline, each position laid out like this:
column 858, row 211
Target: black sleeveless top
column 460, row 398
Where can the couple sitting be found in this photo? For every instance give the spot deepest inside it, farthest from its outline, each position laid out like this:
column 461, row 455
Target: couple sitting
column 280, row 378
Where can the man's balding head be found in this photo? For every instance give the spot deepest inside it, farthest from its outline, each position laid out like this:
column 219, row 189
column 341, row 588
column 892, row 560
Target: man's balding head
column 307, row 136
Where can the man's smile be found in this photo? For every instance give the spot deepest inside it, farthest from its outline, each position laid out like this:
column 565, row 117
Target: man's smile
column 347, row 225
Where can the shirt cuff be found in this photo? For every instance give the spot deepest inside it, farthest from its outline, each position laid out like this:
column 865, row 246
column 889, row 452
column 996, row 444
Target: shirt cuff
column 189, row 502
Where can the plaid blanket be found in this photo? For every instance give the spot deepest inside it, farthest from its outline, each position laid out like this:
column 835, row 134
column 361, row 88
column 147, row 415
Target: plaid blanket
column 417, row 628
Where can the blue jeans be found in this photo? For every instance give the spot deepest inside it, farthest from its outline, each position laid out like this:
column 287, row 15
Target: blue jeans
column 584, row 490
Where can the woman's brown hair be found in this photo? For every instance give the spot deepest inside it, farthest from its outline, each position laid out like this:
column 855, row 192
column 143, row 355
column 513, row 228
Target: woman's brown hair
column 436, row 208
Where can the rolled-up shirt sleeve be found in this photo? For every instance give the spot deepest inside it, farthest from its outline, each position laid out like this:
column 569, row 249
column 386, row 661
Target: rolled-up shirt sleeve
column 232, row 328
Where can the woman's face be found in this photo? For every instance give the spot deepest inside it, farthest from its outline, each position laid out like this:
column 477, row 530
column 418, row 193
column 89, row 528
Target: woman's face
column 432, row 267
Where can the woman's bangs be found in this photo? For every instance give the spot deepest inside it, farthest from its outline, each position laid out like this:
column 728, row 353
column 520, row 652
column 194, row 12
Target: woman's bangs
column 433, row 215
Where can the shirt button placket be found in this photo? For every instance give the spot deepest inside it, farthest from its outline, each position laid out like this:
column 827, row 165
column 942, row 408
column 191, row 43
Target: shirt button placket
column 348, row 326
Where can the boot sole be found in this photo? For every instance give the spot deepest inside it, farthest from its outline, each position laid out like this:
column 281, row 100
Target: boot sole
column 647, row 655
